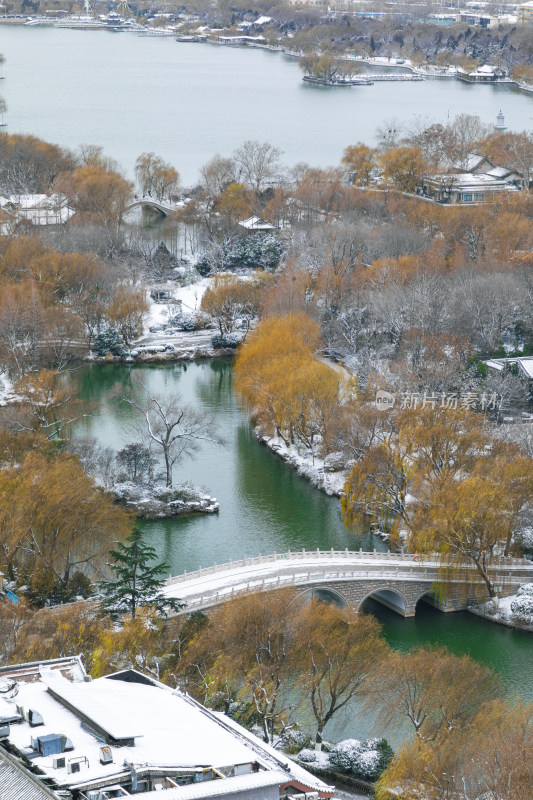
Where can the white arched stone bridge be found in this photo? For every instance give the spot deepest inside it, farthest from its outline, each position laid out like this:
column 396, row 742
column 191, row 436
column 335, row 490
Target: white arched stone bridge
column 398, row 580
column 163, row 206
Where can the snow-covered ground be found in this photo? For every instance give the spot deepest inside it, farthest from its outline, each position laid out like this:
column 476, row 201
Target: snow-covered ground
column 6, row 391
column 189, row 296
column 515, row 611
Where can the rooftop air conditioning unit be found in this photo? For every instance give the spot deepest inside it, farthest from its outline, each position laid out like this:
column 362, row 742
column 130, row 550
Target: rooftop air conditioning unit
column 74, row 764
column 59, row 762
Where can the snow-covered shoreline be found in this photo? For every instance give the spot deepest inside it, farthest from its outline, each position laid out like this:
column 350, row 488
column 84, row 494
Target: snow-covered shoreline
column 501, row 611
column 319, row 472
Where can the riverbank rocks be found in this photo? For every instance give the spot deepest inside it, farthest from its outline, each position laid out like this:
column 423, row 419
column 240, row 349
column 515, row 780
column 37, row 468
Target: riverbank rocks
column 160, row 502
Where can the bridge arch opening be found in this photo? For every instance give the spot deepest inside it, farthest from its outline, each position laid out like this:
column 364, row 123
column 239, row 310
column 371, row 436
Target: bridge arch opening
column 425, row 601
column 323, row 595
column 386, row 597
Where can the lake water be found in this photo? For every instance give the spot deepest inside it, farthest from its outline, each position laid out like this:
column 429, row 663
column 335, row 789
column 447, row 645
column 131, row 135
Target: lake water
column 265, row 507
column 187, row 102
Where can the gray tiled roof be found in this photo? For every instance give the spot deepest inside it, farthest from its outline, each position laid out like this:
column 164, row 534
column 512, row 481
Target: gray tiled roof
column 17, row 783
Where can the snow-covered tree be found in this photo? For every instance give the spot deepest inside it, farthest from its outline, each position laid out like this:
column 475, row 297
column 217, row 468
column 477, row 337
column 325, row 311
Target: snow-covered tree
column 138, row 579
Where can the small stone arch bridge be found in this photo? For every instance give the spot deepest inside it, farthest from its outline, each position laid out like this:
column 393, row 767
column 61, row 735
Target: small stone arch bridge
column 165, row 207
column 397, row 580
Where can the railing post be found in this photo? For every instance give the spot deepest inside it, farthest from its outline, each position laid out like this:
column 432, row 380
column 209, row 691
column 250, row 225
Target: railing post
column 345, row 552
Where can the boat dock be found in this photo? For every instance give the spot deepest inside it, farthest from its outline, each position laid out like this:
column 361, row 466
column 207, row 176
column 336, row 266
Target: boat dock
column 364, row 79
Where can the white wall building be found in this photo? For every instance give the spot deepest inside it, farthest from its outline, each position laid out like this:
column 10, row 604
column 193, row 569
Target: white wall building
column 38, row 209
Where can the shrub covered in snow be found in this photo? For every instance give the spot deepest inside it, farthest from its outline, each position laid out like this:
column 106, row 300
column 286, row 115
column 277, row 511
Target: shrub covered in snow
column 525, row 589
column 258, row 251
column 307, row 755
column 522, row 606
column 365, row 760
column 183, row 321
column 227, row 340
column 525, row 540
column 108, row 341
column 294, row 741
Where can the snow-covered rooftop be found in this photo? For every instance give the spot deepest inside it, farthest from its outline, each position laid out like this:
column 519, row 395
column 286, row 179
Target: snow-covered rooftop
column 256, row 224
column 524, row 364
column 147, row 727
column 39, row 209
column 231, row 786
column 472, row 161
column 464, row 181
column 499, row 172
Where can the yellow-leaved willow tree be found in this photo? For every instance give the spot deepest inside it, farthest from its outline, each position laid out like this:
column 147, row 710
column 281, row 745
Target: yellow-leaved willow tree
column 56, row 523
column 443, row 484
column 289, row 391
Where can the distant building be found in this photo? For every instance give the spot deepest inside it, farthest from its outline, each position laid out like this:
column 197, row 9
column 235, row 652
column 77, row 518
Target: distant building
column 525, row 12
column 463, row 188
column 127, row 734
column 241, row 40
column 522, row 364
column 484, row 74
column 474, row 179
column 474, row 163
column 314, row 3
column 254, row 224
column 38, row 209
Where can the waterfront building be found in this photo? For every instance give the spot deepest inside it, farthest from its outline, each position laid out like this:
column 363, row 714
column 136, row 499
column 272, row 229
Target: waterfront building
column 484, row 74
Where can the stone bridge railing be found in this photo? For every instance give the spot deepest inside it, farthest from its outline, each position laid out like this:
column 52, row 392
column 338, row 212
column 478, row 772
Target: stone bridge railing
column 350, row 575
column 415, row 560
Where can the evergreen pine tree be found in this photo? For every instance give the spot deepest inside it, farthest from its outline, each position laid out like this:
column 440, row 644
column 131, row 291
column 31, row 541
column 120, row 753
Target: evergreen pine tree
column 138, row 579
